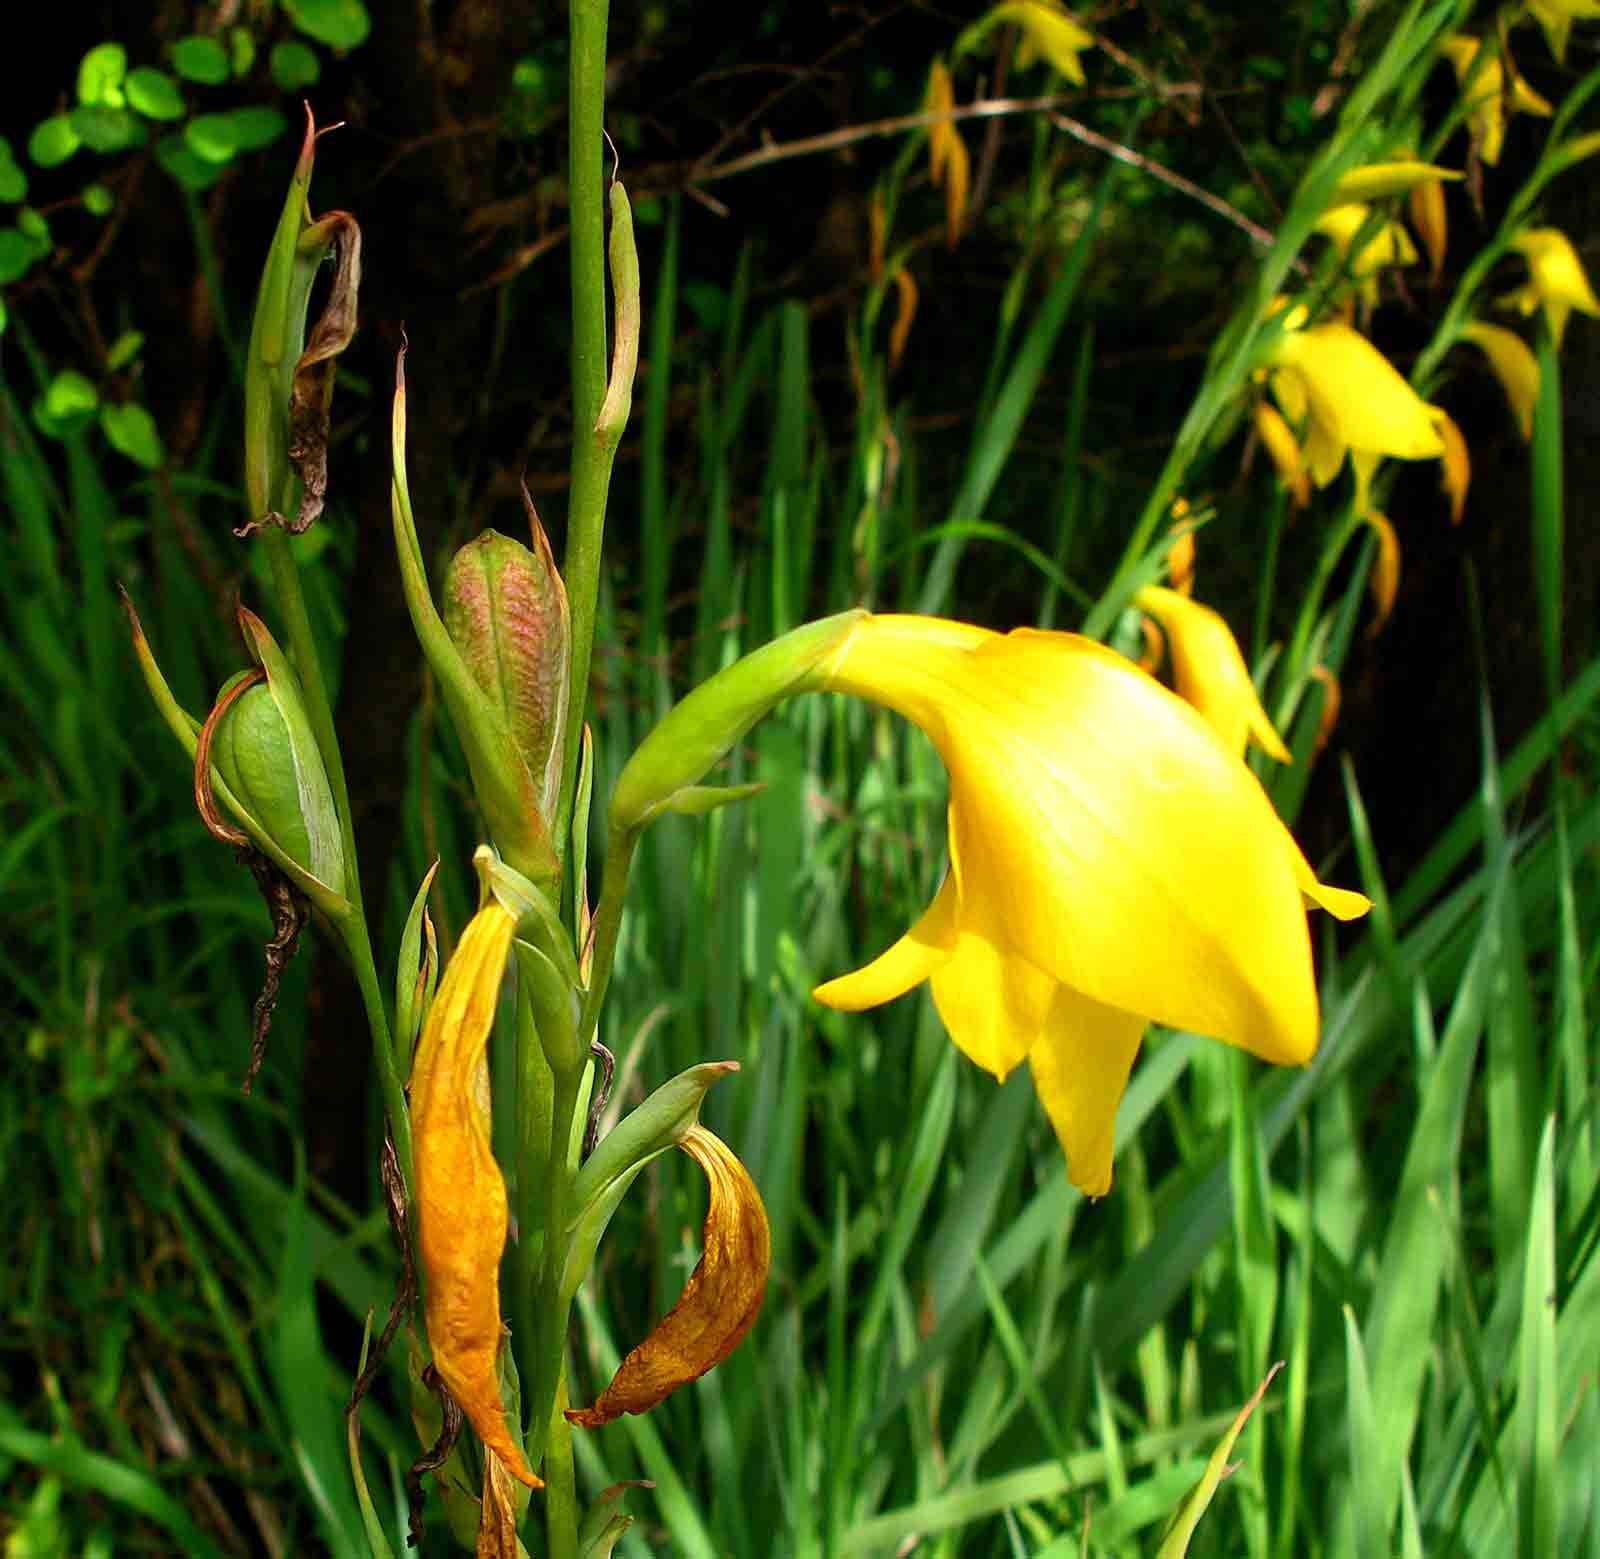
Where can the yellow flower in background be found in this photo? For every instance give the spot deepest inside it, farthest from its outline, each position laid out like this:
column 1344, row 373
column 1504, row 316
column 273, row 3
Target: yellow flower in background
column 1048, row 32
column 1429, row 216
column 1209, row 672
column 948, row 164
column 1556, row 280
column 1557, row 17
column 1388, row 244
column 1514, row 365
column 1348, row 398
column 1377, row 179
column 461, row 1196
column 1111, row 863
column 1485, row 85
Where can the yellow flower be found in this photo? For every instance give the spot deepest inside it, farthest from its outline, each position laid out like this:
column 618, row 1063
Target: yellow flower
column 1485, row 84
column 461, row 1196
column 1209, row 672
column 1387, row 244
column 1556, row 280
column 1378, row 179
column 1514, row 365
column 1047, row 31
column 1557, row 17
column 1349, row 398
column 948, row 164
column 1279, row 442
column 1432, row 221
column 1111, row 863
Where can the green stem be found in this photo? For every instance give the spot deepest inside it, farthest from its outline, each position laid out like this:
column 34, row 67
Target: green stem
column 359, row 946
column 590, row 466
column 607, row 927
column 560, row 1484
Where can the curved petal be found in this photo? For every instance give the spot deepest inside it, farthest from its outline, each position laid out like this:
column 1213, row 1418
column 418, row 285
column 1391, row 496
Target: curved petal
column 1514, row 365
column 1357, row 394
column 1341, row 903
column 1209, row 671
column 1080, row 1068
column 927, row 945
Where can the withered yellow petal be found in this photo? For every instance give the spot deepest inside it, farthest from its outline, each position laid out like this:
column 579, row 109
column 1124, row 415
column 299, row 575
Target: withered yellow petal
column 1281, row 445
column 1385, row 581
column 461, row 1196
column 1209, row 672
column 1430, row 217
column 1080, row 1068
column 1514, row 365
column 719, row 1303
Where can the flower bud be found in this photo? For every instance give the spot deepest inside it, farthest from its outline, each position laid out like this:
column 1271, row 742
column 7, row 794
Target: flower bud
column 262, row 746
column 505, row 609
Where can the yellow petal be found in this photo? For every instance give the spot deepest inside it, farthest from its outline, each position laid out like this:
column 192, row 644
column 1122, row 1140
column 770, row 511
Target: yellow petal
column 905, row 312
column 1279, row 443
column 1180, row 561
column 1355, row 395
column 1341, row 903
column 1080, row 1068
column 1209, row 671
column 1326, row 720
column 719, row 1303
column 1556, row 278
column 1457, row 461
column 1431, row 219
column 1515, row 366
column 1385, row 581
column 948, row 163
column 908, row 963
column 1373, row 182
column 461, row 1197
column 1387, row 244
column 1048, row 31
column 1126, row 852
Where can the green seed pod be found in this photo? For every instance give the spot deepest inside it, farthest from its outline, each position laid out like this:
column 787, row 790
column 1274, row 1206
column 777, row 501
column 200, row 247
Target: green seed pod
column 265, row 753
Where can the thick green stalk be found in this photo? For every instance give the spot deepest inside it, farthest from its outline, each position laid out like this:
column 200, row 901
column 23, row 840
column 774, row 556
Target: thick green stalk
column 590, row 465
column 560, row 1486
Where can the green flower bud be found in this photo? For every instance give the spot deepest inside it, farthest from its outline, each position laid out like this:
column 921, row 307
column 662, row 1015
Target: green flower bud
column 264, row 751
column 505, row 609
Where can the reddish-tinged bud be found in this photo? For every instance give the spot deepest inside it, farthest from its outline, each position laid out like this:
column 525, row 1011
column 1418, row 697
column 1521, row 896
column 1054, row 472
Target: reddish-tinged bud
column 505, row 610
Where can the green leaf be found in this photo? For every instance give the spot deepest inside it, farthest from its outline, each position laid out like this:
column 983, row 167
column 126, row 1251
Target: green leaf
column 53, row 141
column 17, row 255
column 13, row 181
column 155, row 94
column 242, row 50
column 254, row 128
column 3, row 316
column 70, row 395
column 100, row 75
column 97, row 200
column 341, row 24
column 294, row 66
column 212, row 137
column 185, row 165
column 124, row 349
column 106, row 130
column 131, row 431
column 200, row 59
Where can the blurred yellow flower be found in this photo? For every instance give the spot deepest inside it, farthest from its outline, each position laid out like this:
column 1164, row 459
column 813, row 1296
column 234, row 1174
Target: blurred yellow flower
column 1484, row 85
column 1556, row 280
column 1377, row 179
column 1388, row 244
column 461, row 1196
column 1049, row 32
column 1111, row 863
column 1209, row 672
column 1280, row 444
column 1557, row 17
column 1456, row 476
column 1331, row 381
column 1385, row 581
column 1514, row 365
column 948, row 164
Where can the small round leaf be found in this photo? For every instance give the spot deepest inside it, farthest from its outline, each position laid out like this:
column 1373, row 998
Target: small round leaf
column 154, row 94
column 70, row 397
column 212, row 137
column 201, row 59
column 13, row 181
column 100, row 75
column 132, row 432
column 241, row 50
column 295, row 66
column 107, row 130
column 124, row 349
column 184, row 165
column 341, row 24
column 254, row 128
column 53, row 141
column 97, row 200
column 17, row 254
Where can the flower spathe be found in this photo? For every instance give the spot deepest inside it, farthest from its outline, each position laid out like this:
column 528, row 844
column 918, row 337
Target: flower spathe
column 1111, row 863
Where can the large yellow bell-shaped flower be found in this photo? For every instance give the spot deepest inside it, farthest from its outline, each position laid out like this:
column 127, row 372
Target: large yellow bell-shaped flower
column 1111, row 863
